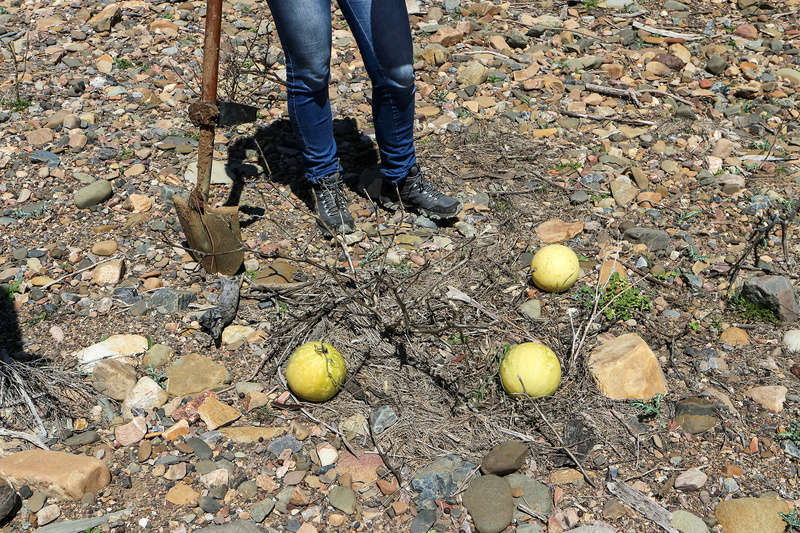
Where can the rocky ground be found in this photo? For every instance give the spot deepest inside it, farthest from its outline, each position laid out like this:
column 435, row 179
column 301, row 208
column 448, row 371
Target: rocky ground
column 658, row 140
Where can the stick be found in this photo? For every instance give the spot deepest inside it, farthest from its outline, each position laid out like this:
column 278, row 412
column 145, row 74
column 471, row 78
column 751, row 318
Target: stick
column 643, row 504
column 385, row 460
column 667, row 95
column 24, row 436
column 623, row 120
column 667, row 33
column 62, row 278
column 622, row 93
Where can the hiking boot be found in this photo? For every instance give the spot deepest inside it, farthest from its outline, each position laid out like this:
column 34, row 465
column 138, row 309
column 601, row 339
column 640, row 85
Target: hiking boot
column 418, row 194
column 332, row 212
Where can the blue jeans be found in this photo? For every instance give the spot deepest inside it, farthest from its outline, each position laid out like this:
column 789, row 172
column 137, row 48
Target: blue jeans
column 383, row 35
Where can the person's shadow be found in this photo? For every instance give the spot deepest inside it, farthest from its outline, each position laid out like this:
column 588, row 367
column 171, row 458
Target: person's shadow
column 276, row 149
column 10, row 336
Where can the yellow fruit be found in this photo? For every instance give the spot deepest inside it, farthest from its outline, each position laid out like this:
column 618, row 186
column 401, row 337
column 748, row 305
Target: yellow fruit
column 536, row 365
column 554, row 268
column 316, row 371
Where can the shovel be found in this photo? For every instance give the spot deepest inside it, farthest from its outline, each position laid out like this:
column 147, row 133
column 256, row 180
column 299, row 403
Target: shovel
column 213, row 233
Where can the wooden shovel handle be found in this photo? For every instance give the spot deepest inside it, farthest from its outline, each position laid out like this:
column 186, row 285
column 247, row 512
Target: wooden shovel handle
column 205, row 149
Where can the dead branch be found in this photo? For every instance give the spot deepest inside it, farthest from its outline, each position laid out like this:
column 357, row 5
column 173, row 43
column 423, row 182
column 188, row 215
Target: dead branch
column 645, row 505
column 385, row 460
column 623, row 120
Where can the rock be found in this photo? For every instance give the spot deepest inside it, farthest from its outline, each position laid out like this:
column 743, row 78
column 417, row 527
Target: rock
column 157, row 356
column 39, row 136
column 216, row 414
column 112, row 347
column 440, row 478
column 692, row 479
column 489, row 502
column 107, row 247
column 609, row 268
column 57, row 474
column 535, row 494
column 723, row 148
column 221, row 174
column 791, row 340
column 237, row 526
column 251, row 434
column 686, row 522
column 47, row 514
column 505, row 458
column 747, row 515
column 531, row 309
column 113, row 378
column 626, row 369
column 769, row 396
column 734, row 336
column 790, row 74
column 139, row 203
column 674, row 5
column 176, row 430
column 447, row 36
column 567, row 476
column 328, row 455
column 132, row 432
column 92, row 194
column 774, row 293
column 473, row 73
column 556, row 230
column 731, row 183
column 105, row 19
column 655, row 239
column 716, row 64
column 262, row 509
column 145, row 395
column 591, row 529
column 182, row 494
column 343, row 499
column 36, row 501
column 208, row 504
column 195, row 373
column 109, row 273
column 747, row 31
column 233, row 334
column 623, row 191
column 166, row 300
column 382, row 419
column 695, row 415
column 9, row 500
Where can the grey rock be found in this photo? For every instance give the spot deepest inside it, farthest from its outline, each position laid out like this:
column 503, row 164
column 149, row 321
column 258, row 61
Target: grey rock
column 465, row 229
column 278, row 445
column 166, row 300
column 489, row 502
column 84, row 524
column 674, row 5
column 204, row 466
column 529, row 528
column 729, row 486
column 656, row 240
column 440, row 478
column 505, row 458
column 579, row 197
column 531, row 309
column 93, row 194
column 791, row 449
column 535, row 495
column 36, row 501
column 262, row 509
column 516, row 39
column 627, row 36
column 591, row 529
column 9, row 500
column 200, row 448
column 423, row 521
column 48, row 158
column 451, row 5
column 208, row 504
column 774, row 293
column 237, row 526
column 686, row 522
column 382, row 419
column 157, row 356
column 81, row 439
column 248, row 489
column 716, row 64
column 343, row 499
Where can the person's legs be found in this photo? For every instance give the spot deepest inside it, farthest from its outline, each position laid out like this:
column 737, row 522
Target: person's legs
column 304, row 27
column 383, row 35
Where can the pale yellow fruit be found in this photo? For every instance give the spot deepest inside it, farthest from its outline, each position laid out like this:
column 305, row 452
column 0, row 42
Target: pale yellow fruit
column 536, row 365
column 315, row 371
column 554, row 268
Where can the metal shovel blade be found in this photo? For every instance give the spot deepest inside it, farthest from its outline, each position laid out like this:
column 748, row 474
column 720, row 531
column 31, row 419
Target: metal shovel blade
column 232, row 114
column 214, row 233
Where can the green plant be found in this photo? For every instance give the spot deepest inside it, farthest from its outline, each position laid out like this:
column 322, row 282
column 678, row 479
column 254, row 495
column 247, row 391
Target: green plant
column 761, row 145
column 262, row 415
column 494, row 78
column 618, row 299
column 456, row 339
column 149, row 342
column 694, row 325
column 574, row 165
column 792, row 519
column 589, row 4
column 691, row 251
column 665, row 275
column 12, row 289
column 462, row 113
column 251, row 274
column 649, row 408
column 686, row 216
column 122, row 63
column 283, row 307
column 157, row 375
column 127, row 153
column 440, row 95
column 37, row 318
column 792, row 435
column 751, row 311
column 405, row 268
column 18, row 104
column 168, row 16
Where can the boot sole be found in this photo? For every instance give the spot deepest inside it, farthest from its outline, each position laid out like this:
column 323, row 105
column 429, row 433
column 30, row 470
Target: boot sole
column 433, row 215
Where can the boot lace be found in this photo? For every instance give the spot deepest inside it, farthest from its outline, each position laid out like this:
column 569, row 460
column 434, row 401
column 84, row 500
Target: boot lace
column 332, row 197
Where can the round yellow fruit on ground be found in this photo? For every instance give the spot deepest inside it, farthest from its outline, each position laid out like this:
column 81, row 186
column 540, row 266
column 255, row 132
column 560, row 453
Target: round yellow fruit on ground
column 315, row 371
column 536, row 365
column 554, row 268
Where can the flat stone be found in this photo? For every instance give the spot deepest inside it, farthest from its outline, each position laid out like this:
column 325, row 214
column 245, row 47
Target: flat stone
column 92, row 194
column 531, row 309
column 343, row 499
column 113, row 378
column 233, row 334
column 382, row 419
column 535, row 495
column 690, row 480
column 623, row 191
column 328, row 455
column 166, row 300
column 696, row 415
column 200, row 448
column 145, row 395
column 157, row 356
column 625, row 368
column 237, row 526
column 440, row 478
column 656, row 240
column 747, row 515
column 217, row 414
column 195, row 373
column 182, row 494
column 112, row 347
column 734, row 336
column 57, row 474
column 489, row 502
column 505, row 458
column 556, row 230
column 80, row 439
column 9, row 500
column 132, row 432
column 109, row 273
column 262, row 509
column 774, row 293
column 769, row 396
column 251, row 434
column 104, row 248
column 791, row 340
column 36, row 501
column 686, row 522
column 47, row 514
